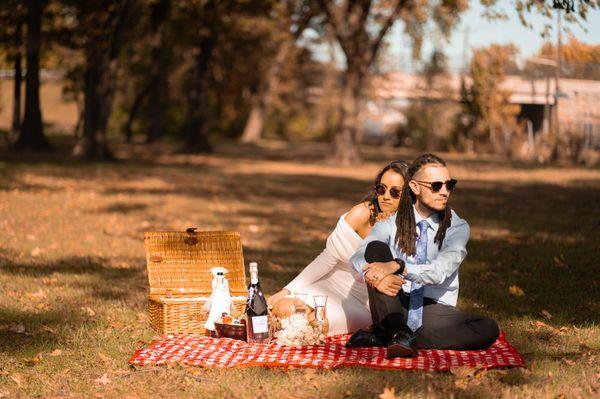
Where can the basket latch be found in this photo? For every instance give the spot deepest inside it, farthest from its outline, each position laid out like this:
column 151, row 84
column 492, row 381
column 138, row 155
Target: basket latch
column 191, row 240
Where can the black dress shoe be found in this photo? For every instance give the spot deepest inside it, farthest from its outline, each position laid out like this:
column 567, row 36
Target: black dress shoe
column 401, row 345
column 366, row 339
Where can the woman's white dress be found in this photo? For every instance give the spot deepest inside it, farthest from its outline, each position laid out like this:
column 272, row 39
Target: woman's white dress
column 329, row 274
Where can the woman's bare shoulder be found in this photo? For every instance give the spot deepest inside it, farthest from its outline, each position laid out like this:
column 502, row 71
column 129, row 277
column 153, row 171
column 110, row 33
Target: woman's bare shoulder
column 358, row 216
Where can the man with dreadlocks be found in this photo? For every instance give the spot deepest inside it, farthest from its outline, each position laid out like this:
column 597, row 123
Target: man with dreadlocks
column 410, row 264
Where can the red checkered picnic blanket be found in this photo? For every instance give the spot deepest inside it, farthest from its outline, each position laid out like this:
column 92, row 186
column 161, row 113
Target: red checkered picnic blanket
column 203, row 351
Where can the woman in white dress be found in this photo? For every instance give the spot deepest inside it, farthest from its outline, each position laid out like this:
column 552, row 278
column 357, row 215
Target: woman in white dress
column 329, row 273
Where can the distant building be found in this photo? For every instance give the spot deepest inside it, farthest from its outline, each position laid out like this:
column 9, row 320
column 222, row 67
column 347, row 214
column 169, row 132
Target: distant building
column 578, row 102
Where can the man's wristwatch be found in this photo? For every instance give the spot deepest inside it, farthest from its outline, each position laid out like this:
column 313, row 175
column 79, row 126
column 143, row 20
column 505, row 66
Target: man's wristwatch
column 401, row 264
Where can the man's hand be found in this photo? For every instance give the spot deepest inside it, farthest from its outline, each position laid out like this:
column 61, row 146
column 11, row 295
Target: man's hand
column 376, row 271
column 390, row 285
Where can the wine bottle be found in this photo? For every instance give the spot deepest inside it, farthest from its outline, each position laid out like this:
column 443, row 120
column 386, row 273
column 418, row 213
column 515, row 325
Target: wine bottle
column 257, row 319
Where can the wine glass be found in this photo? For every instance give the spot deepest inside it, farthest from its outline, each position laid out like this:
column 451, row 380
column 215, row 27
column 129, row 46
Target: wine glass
column 302, row 296
column 320, row 305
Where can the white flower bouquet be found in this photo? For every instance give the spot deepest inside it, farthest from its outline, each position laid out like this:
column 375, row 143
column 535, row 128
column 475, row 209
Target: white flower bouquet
column 297, row 331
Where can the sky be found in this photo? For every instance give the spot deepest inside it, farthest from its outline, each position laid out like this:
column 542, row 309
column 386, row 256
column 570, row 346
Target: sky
column 482, row 32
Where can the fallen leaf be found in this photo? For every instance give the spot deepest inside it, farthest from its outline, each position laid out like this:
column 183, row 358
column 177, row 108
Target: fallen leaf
column 559, row 261
column 464, row 376
column 17, row 379
column 35, row 252
column 546, row 314
column 104, row 380
column 540, row 324
column 105, row 358
column 48, row 329
column 463, row 371
column 481, row 373
column 515, row 290
column 17, row 328
column 388, row 393
column 89, row 311
column 568, row 361
column 253, row 228
column 591, row 360
column 309, row 374
column 50, row 281
column 56, row 352
column 34, row 360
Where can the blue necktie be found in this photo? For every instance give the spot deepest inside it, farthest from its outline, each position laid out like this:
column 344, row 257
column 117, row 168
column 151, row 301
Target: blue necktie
column 415, row 306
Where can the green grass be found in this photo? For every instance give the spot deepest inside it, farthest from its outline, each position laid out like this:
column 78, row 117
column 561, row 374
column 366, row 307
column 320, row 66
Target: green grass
column 73, row 282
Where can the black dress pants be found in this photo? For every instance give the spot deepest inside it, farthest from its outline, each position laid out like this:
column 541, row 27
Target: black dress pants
column 444, row 327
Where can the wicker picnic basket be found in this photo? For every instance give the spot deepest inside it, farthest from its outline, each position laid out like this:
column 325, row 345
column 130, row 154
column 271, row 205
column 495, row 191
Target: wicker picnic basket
column 179, row 266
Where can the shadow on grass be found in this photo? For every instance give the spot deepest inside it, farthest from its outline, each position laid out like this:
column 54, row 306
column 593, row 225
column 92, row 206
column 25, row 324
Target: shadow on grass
column 85, row 282
column 71, row 265
column 124, row 207
column 41, row 331
column 565, row 291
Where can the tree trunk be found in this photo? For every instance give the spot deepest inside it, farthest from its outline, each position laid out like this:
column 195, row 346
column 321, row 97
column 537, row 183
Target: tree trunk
column 16, row 120
column 327, row 103
column 137, row 104
column 256, row 121
column 77, row 132
column 195, row 125
column 345, row 147
column 31, row 135
column 254, row 125
column 98, row 95
column 158, row 98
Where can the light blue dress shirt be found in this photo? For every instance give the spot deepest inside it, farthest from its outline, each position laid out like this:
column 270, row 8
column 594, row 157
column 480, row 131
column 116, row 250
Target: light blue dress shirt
column 440, row 274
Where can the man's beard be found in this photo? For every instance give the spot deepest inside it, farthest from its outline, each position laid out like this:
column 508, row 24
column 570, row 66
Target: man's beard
column 433, row 209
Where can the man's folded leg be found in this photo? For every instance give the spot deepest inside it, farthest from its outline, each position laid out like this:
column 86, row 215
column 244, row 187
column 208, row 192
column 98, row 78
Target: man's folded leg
column 446, row 327
column 388, row 313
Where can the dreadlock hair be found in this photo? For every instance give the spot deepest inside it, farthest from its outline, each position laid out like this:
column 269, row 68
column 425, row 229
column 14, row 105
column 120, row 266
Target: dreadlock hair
column 398, row 166
column 406, row 235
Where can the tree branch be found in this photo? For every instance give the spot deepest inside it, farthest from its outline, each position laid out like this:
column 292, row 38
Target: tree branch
column 335, row 22
column 376, row 43
column 303, row 24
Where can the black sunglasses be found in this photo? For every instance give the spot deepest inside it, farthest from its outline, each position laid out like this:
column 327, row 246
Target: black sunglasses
column 437, row 185
column 395, row 192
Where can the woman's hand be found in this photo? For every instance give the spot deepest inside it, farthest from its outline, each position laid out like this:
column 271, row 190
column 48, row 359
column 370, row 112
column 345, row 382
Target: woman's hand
column 377, row 271
column 277, row 296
